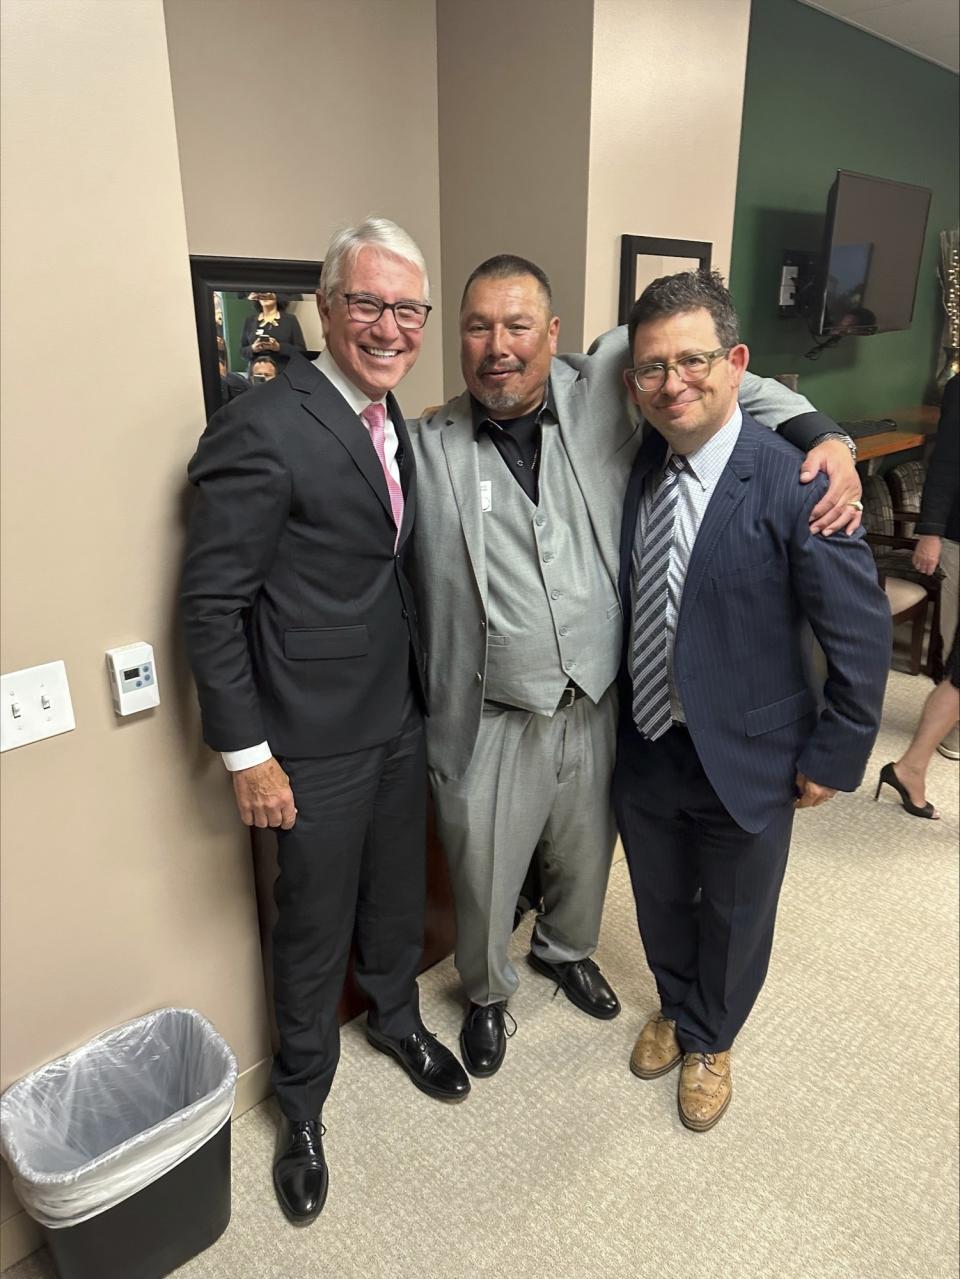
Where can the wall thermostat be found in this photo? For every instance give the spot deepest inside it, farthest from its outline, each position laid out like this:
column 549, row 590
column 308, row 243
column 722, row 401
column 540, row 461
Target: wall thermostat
column 133, row 678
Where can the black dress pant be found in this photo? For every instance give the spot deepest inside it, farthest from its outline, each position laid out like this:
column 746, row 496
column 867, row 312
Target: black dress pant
column 353, row 865
column 706, row 890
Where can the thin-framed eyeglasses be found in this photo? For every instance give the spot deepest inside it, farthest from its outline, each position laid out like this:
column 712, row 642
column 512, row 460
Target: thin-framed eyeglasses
column 691, row 368
column 367, row 308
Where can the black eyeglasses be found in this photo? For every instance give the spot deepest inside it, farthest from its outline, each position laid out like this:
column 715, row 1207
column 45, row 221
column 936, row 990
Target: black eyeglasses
column 367, row 308
column 692, row 368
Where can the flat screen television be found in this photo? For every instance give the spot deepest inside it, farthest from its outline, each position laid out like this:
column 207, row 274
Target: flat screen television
column 870, row 260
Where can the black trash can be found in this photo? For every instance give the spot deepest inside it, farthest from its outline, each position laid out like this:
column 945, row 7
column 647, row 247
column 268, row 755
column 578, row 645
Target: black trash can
column 121, row 1149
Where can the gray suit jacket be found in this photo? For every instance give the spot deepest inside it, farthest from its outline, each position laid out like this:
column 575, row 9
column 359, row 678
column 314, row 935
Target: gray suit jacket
column 447, row 565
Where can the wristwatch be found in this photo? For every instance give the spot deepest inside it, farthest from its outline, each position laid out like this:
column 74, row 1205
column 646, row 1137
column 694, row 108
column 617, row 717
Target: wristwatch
column 842, row 436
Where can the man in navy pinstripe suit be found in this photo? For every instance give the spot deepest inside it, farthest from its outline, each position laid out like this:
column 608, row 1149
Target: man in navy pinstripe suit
column 723, row 732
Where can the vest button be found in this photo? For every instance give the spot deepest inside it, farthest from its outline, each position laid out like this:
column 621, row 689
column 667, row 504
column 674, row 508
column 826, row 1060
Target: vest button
column 556, row 595
column 564, row 630
column 548, row 556
column 479, row 678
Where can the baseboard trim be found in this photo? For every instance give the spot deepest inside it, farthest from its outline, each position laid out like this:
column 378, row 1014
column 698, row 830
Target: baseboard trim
column 253, row 1086
column 20, row 1235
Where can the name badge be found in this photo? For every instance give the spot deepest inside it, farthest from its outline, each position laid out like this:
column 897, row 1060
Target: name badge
column 486, row 500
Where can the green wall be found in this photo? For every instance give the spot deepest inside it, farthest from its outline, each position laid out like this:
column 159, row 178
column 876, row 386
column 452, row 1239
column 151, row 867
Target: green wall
column 820, row 96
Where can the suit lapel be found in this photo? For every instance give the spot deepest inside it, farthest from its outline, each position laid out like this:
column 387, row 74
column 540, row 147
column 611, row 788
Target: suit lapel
column 330, row 409
column 460, row 451
column 730, row 491
column 651, row 455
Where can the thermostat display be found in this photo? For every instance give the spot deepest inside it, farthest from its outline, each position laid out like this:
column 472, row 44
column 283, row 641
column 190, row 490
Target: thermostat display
column 133, row 678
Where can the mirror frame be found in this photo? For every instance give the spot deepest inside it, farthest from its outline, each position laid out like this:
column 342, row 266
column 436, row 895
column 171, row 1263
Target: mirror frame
column 211, row 275
column 634, row 246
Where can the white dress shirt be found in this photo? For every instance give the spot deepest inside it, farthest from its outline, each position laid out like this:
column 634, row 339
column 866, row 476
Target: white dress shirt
column 695, row 485
column 259, row 754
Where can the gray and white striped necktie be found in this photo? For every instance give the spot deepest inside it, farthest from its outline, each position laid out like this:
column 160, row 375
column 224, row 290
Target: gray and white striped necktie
column 648, row 640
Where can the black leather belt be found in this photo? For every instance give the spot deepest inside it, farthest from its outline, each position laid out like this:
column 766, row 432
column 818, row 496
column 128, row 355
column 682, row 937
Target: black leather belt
column 569, row 695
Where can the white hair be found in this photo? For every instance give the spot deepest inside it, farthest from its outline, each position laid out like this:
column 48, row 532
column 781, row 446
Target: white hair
column 372, row 233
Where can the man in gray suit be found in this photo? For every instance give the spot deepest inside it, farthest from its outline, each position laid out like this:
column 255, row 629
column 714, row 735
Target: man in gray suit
column 516, row 561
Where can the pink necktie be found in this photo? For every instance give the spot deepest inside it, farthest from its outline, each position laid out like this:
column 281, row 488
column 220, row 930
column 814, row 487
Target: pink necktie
column 375, row 417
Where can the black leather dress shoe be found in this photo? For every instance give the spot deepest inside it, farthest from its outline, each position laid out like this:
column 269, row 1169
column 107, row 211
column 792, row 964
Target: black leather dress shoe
column 483, row 1038
column 300, row 1175
column 583, row 984
column 431, row 1065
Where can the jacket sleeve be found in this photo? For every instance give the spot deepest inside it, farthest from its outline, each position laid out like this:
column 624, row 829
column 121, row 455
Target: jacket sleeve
column 239, row 513
column 246, row 337
column 835, row 580
column 294, row 343
column 941, row 491
column 783, row 410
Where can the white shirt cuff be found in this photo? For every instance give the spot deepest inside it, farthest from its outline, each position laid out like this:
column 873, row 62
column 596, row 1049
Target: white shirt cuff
column 250, row 755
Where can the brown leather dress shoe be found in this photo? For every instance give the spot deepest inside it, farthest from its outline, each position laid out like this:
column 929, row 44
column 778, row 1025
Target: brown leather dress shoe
column 704, row 1090
column 656, row 1051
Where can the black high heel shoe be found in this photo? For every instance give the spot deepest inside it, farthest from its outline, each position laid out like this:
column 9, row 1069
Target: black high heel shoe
column 888, row 775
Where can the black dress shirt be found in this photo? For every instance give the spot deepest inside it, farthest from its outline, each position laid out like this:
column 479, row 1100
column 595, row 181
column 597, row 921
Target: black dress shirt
column 517, row 440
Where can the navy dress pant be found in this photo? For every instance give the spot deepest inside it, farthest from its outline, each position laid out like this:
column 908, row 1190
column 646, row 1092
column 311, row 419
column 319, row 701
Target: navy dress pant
column 706, row 890
column 352, row 867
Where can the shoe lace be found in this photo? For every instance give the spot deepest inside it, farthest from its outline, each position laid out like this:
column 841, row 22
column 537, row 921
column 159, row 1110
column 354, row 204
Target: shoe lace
column 481, row 1009
column 307, row 1130
column 574, row 963
column 705, row 1059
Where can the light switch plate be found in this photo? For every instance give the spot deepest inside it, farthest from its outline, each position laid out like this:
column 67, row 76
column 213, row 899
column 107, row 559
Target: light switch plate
column 34, row 704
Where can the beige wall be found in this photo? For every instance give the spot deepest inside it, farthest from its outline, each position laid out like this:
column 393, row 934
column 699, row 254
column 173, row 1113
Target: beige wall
column 514, row 93
column 126, row 883
column 664, row 133
column 301, row 116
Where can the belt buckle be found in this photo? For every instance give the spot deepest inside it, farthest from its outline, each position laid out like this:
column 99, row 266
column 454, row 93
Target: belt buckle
column 567, row 697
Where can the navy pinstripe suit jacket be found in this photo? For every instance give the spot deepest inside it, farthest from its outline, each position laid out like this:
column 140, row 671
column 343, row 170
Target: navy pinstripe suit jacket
column 742, row 665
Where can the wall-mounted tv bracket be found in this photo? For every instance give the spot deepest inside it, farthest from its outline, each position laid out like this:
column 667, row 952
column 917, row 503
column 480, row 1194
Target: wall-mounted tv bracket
column 798, row 273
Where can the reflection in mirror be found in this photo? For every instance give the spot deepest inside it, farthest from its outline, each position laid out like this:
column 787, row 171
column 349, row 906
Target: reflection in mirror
column 252, row 316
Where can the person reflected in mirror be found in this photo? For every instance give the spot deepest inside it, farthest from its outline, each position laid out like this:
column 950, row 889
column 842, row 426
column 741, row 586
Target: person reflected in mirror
column 271, row 329
column 263, row 368
column 231, row 384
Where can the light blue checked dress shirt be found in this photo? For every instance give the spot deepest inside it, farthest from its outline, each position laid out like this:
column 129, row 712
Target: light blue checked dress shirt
column 695, row 485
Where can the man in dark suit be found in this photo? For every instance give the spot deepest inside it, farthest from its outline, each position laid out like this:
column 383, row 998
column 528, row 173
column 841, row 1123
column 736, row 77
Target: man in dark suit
column 302, row 635
column 722, row 735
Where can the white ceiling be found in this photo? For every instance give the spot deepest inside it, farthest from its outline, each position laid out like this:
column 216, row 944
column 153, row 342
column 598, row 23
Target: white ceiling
column 930, row 28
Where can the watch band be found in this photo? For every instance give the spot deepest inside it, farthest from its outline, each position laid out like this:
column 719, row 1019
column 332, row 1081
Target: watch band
column 842, row 436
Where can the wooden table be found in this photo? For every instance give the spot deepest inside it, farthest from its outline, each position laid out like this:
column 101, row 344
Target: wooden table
column 870, row 448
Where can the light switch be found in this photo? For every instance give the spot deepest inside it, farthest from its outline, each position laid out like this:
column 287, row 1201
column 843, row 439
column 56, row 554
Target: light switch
column 35, row 704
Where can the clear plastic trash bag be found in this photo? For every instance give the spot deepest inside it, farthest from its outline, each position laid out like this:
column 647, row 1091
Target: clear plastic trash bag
column 89, row 1130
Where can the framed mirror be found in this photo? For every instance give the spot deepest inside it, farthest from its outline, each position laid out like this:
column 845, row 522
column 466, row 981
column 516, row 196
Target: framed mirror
column 251, row 313
column 644, row 258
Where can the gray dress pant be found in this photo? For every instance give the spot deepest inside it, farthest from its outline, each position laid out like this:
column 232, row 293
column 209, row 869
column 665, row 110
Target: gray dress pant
column 533, row 782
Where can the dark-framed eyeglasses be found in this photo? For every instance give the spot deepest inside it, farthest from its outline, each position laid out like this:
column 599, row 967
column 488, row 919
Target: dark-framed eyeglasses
column 367, row 308
column 691, row 369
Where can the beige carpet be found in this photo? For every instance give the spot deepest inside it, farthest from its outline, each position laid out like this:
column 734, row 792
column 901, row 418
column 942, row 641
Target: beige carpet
column 837, row 1157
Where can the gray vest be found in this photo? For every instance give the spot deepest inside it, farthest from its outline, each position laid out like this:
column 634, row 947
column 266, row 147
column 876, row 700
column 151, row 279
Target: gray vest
column 553, row 613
